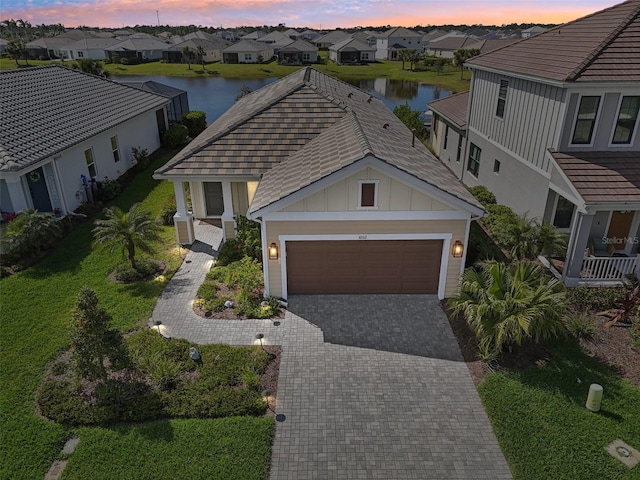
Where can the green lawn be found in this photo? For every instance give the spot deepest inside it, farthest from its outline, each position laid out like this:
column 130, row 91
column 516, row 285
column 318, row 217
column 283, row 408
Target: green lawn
column 449, row 79
column 543, row 427
column 35, row 317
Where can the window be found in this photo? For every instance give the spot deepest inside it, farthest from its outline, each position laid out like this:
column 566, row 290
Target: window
column 306, row 57
column 80, row 54
column 459, row 149
column 365, row 56
column 564, row 212
column 446, row 137
column 114, row 149
column 247, row 56
column 496, row 166
column 474, row 160
column 91, row 164
column 502, row 98
column 368, row 194
column 586, row 120
column 627, row 119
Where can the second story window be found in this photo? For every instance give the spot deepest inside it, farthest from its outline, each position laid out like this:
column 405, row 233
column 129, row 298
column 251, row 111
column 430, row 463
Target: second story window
column 586, row 120
column 502, row 98
column 627, row 120
column 368, row 194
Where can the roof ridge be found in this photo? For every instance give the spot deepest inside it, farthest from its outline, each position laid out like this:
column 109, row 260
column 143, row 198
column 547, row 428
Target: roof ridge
column 359, row 131
column 598, row 50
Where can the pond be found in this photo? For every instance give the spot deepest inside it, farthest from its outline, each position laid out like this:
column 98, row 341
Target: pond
column 214, row 95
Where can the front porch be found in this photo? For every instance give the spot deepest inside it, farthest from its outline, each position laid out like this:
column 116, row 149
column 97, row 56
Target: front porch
column 603, row 248
column 211, row 201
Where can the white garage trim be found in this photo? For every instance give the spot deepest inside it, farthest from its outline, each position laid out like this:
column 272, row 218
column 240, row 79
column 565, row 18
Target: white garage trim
column 368, row 215
column 444, row 259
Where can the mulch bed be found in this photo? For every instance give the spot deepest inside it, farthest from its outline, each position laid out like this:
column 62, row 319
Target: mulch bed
column 612, row 346
column 227, row 313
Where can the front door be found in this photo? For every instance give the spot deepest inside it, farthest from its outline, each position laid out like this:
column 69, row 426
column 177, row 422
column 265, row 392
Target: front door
column 213, row 199
column 39, row 191
column 619, row 228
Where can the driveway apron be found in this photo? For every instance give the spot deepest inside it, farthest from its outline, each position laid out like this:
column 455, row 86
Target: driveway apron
column 370, row 386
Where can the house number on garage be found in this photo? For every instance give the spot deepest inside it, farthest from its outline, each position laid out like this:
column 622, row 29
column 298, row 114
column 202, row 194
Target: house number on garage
column 362, row 237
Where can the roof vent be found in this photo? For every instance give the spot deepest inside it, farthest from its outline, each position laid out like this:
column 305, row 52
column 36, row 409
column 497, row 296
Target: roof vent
column 385, row 126
column 369, row 99
column 350, row 95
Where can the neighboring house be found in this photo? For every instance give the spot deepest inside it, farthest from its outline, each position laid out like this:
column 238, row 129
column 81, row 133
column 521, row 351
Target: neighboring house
column 331, row 38
column 348, row 200
column 298, row 53
column 247, row 51
column 399, row 38
column 530, row 32
column 144, row 49
column 310, row 35
column 3, row 45
column 293, row 34
column 351, row 51
column 178, row 99
column 58, row 125
column 255, row 35
column 273, row 37
column 366, row 36
column 48, row 47
column 212, row 50
column 446, row 47
column 448, row 130
column 93, row 48
column 491, row 44
column 553, row 131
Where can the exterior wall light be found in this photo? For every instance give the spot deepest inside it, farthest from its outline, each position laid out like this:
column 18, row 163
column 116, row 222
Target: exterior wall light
column 457, row 250
column 273, row 252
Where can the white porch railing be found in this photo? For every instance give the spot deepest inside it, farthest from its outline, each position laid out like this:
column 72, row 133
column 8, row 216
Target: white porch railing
column 608, row 268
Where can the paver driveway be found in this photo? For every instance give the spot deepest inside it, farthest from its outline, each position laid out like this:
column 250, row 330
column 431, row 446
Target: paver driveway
column 388, row 398
column 372, row 387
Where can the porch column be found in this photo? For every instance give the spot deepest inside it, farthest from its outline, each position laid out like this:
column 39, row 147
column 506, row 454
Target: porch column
column 578, row 244
column 228, row 221
column 17, row 194
column 183, row 219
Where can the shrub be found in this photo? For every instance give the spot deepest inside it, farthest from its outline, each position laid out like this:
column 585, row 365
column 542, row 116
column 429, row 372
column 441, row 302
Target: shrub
column 595, row 299
column 145, row 268
column 231, row 251
column 169, row 209
column 483, row 195
column 207, row 290
column 248, row 235
column 215, row 304
column 580, row 326
column 195, row 121
column 30, row 234
column 176, row 136
column 140, row 157
column 109, row 189
column 506, row 304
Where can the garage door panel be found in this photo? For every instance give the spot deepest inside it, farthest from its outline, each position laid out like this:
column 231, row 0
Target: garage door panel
column 371, row 266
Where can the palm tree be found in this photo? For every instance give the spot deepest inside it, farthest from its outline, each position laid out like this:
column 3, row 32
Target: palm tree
column 462, row 55
column 403, row 55
column 128, row 230
column 506, row 304
column 200, row 52
column 186, row 54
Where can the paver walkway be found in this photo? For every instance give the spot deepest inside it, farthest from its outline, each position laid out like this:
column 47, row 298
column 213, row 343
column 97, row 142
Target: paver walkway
column 391, row 398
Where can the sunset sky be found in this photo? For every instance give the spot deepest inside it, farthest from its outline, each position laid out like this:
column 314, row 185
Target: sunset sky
column 325, row 14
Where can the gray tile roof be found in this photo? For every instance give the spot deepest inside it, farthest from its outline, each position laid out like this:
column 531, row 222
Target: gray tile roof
column 247, row 46
column 400, row 32
column 300, row 46
column 45, row 110
column 91, row 44
column 351, row 45
column 311, row 124
column 138, row 44
column 156, row 87
column 453, row 107
column 332, row 37
column 603, row 46
column 602, row 176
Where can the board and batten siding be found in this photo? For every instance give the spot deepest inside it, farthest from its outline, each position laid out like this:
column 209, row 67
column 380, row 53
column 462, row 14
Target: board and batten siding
column 532, row 117
column 274, row 229
column 343, row 196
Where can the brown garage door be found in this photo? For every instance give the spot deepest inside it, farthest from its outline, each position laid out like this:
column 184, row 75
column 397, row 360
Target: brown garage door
column 368, row 266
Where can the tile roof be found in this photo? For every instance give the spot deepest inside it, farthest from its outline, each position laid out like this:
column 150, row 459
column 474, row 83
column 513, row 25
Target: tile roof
column 332, row 37
column 247, row 46
column 602, row 177
column 156, row 87
column 138, row 44
column 45, row 110
column 300, row 46
column 603, row 46
column 352, row 44
column 399, row 32
column 91, row 43
column 453, row 107
column 311, row 124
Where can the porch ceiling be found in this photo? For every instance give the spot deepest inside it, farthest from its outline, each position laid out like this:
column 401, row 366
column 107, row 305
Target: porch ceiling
column 602, row 177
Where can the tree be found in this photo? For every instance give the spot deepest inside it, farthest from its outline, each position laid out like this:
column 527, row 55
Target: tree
column 462, row 55
column 403, row 55
column 200, row 53
column 245, row 90
column 94, row 67
column 411, row 118
column 16, row 50
column 129, row 230
column 93, row 342
column 506, row 304
column 414, row 58
column 186, row 55
column 526, row 238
